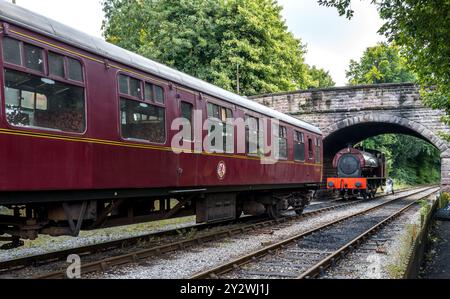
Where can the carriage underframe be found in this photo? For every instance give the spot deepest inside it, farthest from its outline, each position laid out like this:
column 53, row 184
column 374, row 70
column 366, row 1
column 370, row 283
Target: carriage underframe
column 29, row 219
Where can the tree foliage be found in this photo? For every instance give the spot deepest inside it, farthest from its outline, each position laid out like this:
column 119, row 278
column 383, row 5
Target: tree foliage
column 380, row 64
column 421, row 28
column 319, row 78
column 215, row 40
column 410, row 160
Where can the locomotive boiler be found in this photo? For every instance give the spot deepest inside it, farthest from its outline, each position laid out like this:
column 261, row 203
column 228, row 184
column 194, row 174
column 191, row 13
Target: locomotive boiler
column 358, row 172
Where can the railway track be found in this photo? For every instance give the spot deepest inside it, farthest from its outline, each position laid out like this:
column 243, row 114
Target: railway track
column 249, row 225
column 309, row 254
column 41, row 259
column 36, row 260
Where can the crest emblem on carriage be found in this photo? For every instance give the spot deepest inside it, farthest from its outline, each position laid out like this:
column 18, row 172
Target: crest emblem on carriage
column 221, row 170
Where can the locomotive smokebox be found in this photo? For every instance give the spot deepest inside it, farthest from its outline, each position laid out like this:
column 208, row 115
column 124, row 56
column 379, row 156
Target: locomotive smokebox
column 359, row 172
column 349, row 166
column 353, row 163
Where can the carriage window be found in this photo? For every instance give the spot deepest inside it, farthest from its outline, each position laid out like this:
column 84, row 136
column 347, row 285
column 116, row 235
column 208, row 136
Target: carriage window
column 228, row 128
column 159, row 94
column 75, row 69
column 11, row 51
column 130, row 86
column 219, row 115
column 33, row 58
column 142, row 121
column 149, row 91
column 216, row 124
column 123, row 84
column 154, row 93
column 282, row 141
column 299, row 146
column 186, row 113
column 135, row 87
column 28, row 99
column 229, row 113
column 318, row 145
column 56, row 64
column 310, row 148
column 252, row 135
column 65, row 67
column 33, row 101
column 213, row 110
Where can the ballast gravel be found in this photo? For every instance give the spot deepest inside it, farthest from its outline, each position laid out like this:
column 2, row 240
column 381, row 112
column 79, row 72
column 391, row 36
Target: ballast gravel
column 185, row 263
column 376, row 255
column 47, row 244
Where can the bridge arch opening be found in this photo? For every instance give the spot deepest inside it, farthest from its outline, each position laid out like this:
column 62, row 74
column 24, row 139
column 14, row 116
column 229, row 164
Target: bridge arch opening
column 353, row 130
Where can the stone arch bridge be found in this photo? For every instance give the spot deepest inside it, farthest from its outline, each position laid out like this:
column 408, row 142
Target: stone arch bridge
column 353, row 113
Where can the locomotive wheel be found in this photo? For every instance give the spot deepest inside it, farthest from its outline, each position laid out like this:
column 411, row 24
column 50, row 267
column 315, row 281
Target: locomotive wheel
column 374, row 192
column 364, row 195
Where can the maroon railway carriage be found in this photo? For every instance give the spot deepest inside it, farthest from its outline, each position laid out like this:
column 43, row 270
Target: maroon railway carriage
column 85, row 139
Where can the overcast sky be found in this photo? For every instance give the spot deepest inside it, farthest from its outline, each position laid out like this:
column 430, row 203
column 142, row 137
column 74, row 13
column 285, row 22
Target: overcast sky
column 331, row 40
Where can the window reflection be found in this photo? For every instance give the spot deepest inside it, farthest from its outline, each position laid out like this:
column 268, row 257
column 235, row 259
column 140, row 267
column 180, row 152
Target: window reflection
column 33, row 58
column 32, row 101
column 142, row 121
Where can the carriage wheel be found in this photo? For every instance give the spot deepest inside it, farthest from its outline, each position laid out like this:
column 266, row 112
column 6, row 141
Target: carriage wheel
column 273, row 212
column 299, row 211
column 239, row 211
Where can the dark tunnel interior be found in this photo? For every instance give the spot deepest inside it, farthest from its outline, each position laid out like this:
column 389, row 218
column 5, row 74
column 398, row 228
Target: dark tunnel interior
column 359, row 132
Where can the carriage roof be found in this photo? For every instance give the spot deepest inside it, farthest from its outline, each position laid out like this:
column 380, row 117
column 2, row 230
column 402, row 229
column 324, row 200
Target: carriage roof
column 35, row 22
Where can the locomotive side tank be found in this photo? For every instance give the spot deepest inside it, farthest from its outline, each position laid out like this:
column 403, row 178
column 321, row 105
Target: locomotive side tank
column 358, row 172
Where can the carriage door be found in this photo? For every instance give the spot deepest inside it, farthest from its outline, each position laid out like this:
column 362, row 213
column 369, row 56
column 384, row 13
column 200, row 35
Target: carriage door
column 310, row 157
column 187, row 162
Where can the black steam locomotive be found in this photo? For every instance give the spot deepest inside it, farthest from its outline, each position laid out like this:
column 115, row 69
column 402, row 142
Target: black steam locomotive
column 358, row 172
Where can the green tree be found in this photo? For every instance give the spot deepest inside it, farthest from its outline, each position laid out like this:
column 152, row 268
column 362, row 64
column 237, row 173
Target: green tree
column 215, row 40
column 421, row 28
column 410, row 160
column 380, row 64
column 319, row 78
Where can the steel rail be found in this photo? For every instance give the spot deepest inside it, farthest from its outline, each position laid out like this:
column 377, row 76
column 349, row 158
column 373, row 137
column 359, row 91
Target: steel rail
column 133, row 257
column 105, row 246
column 254, row 256
column 9, row 265
column 19, row 263
column 320, row 267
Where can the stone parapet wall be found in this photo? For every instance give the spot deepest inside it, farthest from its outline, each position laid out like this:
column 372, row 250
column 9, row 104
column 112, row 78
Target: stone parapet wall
column 344, row 99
